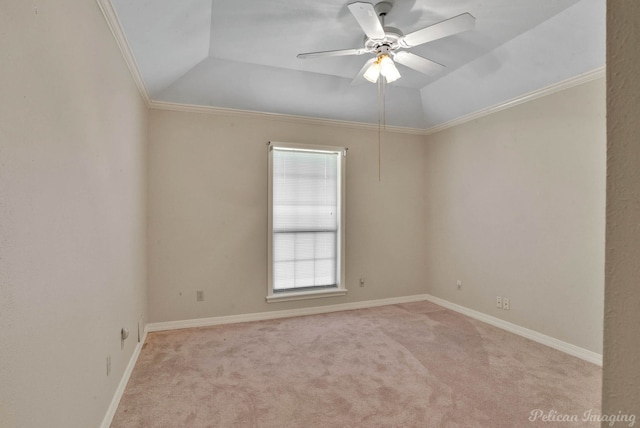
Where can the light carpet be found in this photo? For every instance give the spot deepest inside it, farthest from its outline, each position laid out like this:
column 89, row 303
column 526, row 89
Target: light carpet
column 406, row 365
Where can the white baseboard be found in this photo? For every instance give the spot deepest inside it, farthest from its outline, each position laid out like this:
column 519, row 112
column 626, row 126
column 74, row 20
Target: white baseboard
column 111, row 411
column 260, row 316
column 543, row 339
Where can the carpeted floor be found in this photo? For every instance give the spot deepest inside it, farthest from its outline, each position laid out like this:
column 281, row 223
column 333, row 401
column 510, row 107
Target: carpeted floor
column 407, row 365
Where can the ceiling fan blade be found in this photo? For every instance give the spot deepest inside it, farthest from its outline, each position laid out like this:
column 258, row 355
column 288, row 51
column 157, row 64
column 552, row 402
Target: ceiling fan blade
column 359, row 79
column 342, row 52
column 418, row 63
column 367, row 17
column 451, row 26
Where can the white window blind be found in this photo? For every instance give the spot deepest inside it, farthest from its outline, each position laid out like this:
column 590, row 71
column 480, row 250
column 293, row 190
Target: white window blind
column 306, row 216
column 306, row 238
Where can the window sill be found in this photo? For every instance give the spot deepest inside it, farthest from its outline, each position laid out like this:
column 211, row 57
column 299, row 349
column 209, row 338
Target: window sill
column 303, row 295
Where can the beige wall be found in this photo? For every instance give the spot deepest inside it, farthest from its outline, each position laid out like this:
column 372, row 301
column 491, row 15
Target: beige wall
column 72, row 213
column 512, row 204
column 515, row 208
column 208, row 213
column 621, row 385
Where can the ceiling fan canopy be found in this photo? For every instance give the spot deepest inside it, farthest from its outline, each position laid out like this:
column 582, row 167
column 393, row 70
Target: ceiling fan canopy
column 388, row 43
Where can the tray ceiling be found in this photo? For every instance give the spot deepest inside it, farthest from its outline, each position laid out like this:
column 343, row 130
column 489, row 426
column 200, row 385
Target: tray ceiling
column 241, row 54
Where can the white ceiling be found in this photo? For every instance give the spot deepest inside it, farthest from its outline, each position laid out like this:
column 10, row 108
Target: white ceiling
column 241, row 54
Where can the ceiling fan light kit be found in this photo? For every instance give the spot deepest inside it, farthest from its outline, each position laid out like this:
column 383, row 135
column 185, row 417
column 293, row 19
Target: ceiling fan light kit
column 387, row 43
column 385, row 66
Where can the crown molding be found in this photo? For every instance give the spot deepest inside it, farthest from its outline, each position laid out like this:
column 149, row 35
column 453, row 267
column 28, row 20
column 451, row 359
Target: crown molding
column 530, row 96
column 111, row 17
column 579, row 79
column 116, row 29
column 220, row 111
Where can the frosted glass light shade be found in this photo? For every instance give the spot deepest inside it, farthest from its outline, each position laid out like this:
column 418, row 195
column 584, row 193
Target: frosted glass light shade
column 388, row 69
column 373, row 72
column 385, row 66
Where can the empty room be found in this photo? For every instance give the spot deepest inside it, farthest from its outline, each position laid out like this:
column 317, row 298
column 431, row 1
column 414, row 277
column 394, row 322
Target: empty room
column 406, row 213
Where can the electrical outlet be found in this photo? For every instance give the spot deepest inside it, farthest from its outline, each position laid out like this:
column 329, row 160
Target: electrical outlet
column 361, row 282
column 108, row 365
column 459, row 284
column 499, row 302
column 200, row 296
column 505, row 304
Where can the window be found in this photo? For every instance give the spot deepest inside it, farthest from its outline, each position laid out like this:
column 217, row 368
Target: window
column 306, row 221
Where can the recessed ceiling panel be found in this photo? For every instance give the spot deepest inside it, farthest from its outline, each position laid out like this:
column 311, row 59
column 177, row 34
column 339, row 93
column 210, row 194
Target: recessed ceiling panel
column 569, row 44
column 274, row 32
column 292, row 92
column 242, row 54
column 167, row 38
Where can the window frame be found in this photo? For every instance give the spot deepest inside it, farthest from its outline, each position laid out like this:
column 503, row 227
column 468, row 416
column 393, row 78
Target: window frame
column 340, row 290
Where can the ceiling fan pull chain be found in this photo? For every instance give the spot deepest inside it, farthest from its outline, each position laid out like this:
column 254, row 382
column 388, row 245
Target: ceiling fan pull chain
column 384, row 104
column 380, row 83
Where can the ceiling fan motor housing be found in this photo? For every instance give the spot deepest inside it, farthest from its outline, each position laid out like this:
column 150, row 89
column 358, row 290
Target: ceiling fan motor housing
column 383, row 8
column 391, row 41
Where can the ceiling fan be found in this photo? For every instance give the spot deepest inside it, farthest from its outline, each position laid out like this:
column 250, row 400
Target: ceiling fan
column 386, row 43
